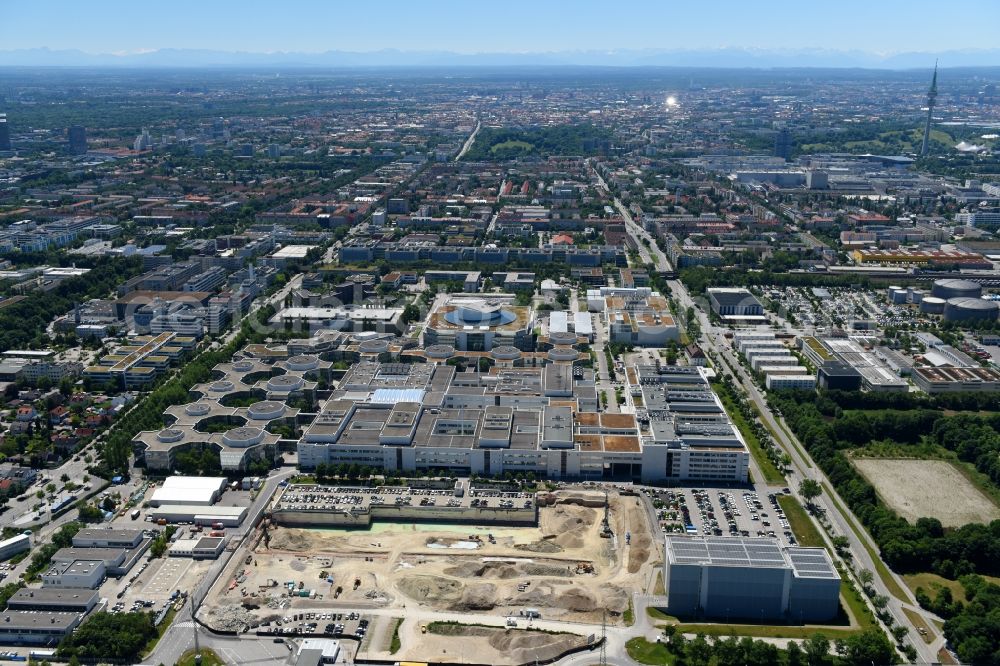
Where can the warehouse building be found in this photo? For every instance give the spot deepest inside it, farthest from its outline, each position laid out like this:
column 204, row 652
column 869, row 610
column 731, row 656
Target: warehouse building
column 53, row 600
column 229, row 516
column 736, row 578
column 204, row 490
column 96, row 537
column 36, row 628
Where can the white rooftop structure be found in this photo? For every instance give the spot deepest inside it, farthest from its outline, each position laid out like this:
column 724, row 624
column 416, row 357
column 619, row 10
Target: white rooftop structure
column 202, row 490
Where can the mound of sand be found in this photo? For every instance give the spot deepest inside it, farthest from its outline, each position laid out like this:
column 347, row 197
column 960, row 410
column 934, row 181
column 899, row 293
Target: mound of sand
column 545, row 570
column 544, row 545
column 431, row 588
column 482, row 596
column 528, row 646
column 576, row 599
column 500, row 570
column 292, row 539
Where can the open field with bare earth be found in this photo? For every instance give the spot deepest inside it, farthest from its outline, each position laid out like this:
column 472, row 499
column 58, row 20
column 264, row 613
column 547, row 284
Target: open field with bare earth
column 562, row 567
column 492, row 645
column 927, row 488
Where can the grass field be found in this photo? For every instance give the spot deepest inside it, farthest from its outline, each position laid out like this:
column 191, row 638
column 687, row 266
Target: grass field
column 767, row 468
column 915, row 488
column 395, row 643
column 628, row 616
column 917, row 620
column 932, row 583
column 208, row 658
column 645, row 652
column 512, row 145
column 803, row 527
column 881, row 570
column 658, row 588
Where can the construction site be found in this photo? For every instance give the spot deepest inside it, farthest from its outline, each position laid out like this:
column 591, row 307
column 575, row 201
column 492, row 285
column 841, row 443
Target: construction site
column 580, row 565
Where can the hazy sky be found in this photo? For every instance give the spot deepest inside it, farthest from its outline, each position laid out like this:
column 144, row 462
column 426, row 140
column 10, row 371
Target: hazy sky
column 468, row 26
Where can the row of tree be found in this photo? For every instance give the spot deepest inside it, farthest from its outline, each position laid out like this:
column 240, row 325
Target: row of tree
column 862, row 649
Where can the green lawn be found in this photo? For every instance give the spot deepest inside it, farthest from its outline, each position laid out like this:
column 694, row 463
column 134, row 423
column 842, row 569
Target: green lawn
column 767, row 468
column 629, row 615
column 880, row 569
column 395, row 644
column 160, row 630
column 645, row 652
column 657, row 614
column 932, row 583
column 917, row 620
column 803, row 527
column 764, row 630
column 208, row 658
column 512, row 145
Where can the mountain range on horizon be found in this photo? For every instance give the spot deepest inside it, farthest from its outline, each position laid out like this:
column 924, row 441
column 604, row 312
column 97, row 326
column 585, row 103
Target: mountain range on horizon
column 720, row 58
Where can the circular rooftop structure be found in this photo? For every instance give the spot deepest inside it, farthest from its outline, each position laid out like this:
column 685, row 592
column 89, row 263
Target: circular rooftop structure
column 285, row 383
column 302, row 362
column 480, row 315
column 563, row 354
column 243, row 436
column 265, row 410
column 932, row 305
column 373, row 346
column 440, row 351
column 169, row 435
column 197, row 409
column 224, row 386
column 955, row 288
column 967, row 309
column 243, row 366
column 505, row 353
column 562, row 338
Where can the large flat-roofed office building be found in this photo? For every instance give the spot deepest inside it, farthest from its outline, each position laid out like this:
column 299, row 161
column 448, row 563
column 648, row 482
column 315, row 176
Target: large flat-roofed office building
column 735, row 578
column 734, row 302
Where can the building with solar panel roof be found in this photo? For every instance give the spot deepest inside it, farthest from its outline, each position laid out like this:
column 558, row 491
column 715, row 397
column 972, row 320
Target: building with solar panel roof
column 736, row 578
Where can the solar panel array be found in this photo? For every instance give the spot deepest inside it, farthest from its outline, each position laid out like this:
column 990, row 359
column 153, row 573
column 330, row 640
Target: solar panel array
column 726, row 551
column 811, row 563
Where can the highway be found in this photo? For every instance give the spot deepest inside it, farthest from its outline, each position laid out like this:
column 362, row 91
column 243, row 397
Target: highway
column 468, row 142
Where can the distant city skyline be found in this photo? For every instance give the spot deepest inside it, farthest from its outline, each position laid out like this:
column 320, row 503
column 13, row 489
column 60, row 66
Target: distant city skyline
column 123, row 27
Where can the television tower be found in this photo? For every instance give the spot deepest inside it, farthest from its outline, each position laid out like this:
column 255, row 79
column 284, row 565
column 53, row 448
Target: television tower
column 931, row 97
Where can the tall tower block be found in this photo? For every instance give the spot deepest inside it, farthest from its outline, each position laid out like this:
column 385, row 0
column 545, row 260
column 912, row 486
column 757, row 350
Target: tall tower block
column 931, row 98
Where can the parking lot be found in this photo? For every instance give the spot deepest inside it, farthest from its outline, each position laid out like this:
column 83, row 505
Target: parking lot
column 721, row 512
column 167, row 578
column 316, row 624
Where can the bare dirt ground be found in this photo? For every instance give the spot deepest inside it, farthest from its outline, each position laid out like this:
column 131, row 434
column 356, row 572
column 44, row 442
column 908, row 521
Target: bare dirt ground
column 438, row 568
column 927, row 488
column 491, row 645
